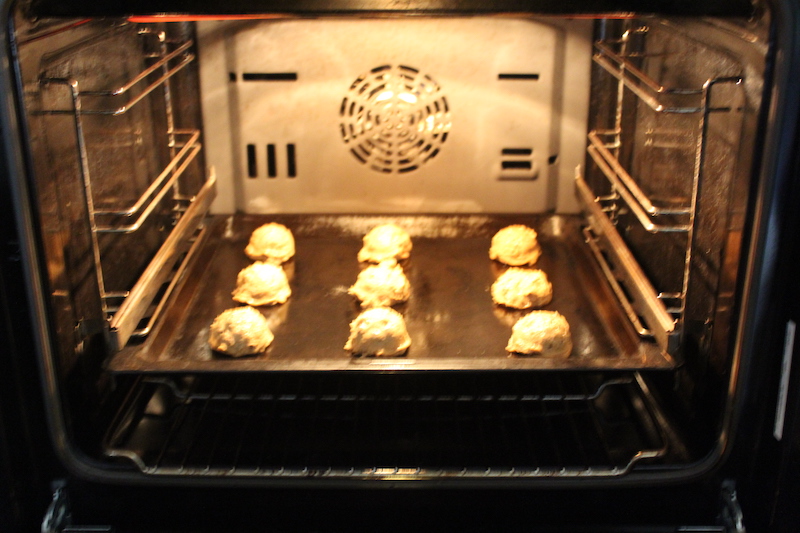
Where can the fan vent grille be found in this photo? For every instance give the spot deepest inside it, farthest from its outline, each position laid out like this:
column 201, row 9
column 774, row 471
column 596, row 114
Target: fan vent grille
column 394, row 119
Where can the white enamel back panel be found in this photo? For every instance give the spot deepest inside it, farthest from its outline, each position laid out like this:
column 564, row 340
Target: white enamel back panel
column 511, row 96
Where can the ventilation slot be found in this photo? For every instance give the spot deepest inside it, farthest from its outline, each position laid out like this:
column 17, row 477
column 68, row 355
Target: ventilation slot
column 272, row 166
column 252, row 168
column 517, row 164
column 269, row 76
column 506, row 165
column 517, row 151
column 291, row 164
column 274, row 169
column 518, row 76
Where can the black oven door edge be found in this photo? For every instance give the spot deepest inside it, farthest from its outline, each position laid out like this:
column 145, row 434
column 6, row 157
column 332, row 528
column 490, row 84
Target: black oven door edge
column 25, row 329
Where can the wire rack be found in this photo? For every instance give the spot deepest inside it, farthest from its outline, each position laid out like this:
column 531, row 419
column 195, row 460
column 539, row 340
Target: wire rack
column 133, row 312
column 653, row 313
column 387, row 426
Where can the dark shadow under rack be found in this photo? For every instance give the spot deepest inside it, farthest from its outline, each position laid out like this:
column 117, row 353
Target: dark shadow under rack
column 401, row 425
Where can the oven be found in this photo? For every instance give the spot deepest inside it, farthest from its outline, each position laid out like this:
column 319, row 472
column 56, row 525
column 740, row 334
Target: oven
column 650, row 147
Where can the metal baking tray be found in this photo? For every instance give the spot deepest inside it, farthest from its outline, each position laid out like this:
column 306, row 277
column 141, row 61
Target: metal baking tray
column 452, row 321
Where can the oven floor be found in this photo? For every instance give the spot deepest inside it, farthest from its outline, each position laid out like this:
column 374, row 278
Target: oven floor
column 406, row 425
column 450, row 316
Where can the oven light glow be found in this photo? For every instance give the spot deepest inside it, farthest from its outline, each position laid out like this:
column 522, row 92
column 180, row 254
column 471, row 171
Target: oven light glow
column 431, row 122
column 385, row 95
column 388, row 95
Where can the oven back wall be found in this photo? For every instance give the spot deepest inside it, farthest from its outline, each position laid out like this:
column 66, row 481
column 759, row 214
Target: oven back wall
column 395, row 115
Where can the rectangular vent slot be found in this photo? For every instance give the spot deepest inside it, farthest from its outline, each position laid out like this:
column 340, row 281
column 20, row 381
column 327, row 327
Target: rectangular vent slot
column 291, row 164
column 232, row 76
column 252, row 169
column 517, row 151
column 517, row 76
column 516, row 165
column 272, row 167
column 269, row 76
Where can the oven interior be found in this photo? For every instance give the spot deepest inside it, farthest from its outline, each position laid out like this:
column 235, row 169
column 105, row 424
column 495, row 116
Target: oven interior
column 158, row 144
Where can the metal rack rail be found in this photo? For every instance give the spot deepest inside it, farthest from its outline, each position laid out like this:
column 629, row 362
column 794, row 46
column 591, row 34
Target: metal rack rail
column 627, row 188
column 387, row 426
column 637, row 295
column 126, row 309
column 647, row 309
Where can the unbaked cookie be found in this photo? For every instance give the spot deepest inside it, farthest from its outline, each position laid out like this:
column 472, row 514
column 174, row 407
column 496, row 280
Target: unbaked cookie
column 381, row 285
column 522, row 288
column 543, row 333
column 380, row 331
column 383, row 242
column 262, row 284
column 240, row 331
column 272, row 243
column 515, row 245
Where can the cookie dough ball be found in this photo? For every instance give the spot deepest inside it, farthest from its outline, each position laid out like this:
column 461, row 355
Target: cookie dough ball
column 380, row 331
column 240, row 331
column 543, row 333
column 515, row 245
column 272, row 243
column 262, row 284
column 381, row 285
column 383, row 242
column 522, row 288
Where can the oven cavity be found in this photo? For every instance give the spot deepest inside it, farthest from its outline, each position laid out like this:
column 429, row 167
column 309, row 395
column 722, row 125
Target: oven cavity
column 159, row 148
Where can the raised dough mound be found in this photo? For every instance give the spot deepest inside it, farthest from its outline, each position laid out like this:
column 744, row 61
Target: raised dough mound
column 522, row 288
column 381, row 285
column 515, row 245
column 383, row 242
column 262, row 284
column 271, row 242
column 380, row 331
column 240, row 331
column 541, row 333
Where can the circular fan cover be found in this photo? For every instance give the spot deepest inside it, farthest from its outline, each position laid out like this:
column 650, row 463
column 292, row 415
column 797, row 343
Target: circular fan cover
column 394, row 118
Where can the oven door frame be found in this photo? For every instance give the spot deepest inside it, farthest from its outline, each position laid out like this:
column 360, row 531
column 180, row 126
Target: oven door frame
column 28, row 328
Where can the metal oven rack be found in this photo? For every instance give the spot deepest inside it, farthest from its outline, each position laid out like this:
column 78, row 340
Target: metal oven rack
column 653, row 313
column 127, row 310
column 389, row 426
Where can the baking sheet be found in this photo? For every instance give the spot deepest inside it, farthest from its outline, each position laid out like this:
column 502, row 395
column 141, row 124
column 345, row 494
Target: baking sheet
column 450, row 316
